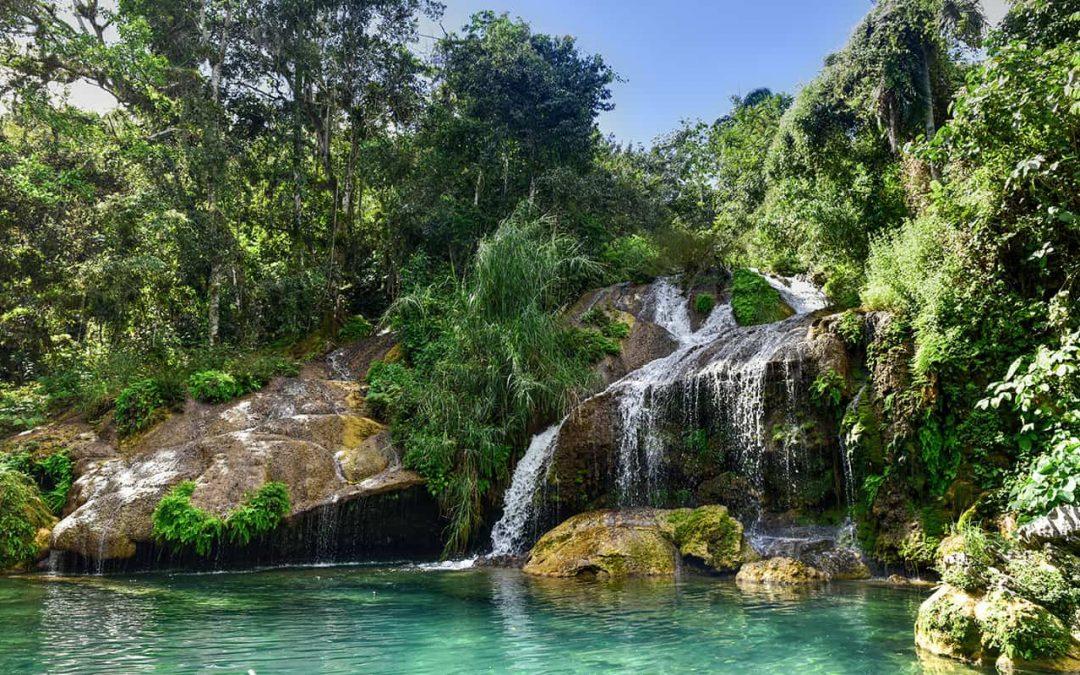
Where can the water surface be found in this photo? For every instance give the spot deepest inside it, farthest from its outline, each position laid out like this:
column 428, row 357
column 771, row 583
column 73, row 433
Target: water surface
column 380, row 619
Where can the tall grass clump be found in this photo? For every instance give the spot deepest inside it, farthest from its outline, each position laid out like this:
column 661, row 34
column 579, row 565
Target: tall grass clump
column 486, row 354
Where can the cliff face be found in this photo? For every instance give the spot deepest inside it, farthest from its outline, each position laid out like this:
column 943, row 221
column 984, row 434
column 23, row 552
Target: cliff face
column 310, row 433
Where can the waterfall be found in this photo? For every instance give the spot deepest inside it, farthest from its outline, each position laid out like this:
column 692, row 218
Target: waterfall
column 508, row 535
column 720, row 360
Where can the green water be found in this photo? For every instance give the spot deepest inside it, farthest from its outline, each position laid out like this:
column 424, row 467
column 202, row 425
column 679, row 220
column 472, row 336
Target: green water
column 375, row 620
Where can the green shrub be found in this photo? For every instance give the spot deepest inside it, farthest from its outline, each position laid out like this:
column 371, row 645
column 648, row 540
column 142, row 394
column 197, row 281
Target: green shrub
column 255, row 371
column 1021, row 629
column 139, row 404
column 178, row 523
column 213, row 386
column 1052, row 480
column 592, row 344
column 501, row 358
column 850, row 328
column 607, row 325
column 704, row 303
column 22, row 513
column 842, row 286
column 964, row 558
column 21, row 408
column 261, row 512
column 631, row 258
column 754, row 301
column 827, row 389
column 356, row 327
column 388, row 384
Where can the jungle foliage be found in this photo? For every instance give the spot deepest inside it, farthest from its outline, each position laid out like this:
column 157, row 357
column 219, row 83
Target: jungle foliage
column 276, row 169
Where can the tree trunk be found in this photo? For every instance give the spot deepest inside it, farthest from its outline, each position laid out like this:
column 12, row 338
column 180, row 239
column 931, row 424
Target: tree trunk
column 214, row 310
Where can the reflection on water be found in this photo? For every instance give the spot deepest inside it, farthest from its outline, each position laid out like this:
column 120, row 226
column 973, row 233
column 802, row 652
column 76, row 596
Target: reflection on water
column 373, row 620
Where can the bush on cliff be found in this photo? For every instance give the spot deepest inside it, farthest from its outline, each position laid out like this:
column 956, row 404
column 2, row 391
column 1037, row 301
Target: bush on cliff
column 754, row 301
column 22, row 514
column 176, row 521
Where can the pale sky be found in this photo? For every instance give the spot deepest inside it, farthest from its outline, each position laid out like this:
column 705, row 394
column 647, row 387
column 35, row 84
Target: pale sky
column 680, row 59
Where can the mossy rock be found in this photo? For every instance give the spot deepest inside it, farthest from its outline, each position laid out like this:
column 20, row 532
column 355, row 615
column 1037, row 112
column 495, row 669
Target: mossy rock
column 780, row 571
column 946, row 625
column 963, row 560
column 754, row 301
column 1050, row 581
column 640, row 542
column 1021, row 630
column 709, row 534
column 604, row 543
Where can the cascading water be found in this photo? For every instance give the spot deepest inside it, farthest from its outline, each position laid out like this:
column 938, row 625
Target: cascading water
column 720, row 360
column 508, row 535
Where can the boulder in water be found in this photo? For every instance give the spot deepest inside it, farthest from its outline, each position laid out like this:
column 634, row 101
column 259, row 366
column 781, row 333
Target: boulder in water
column 708, row 534
column 640, row 542
column 781, row 571
column 947, row 626
column 604, row 543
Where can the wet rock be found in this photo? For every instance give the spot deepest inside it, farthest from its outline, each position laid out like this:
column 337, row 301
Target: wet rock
column 368, row 458
column 604, row 543
column 947, row 625
column 780, row 571
column 1026, row 634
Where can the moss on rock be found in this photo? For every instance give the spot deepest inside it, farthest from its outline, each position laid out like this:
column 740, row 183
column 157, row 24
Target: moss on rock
column 640, row 542
column 604, row 543
column 1020, row 629
column 754, row 301
column 709, row 534
column 947, row 626
column 780, row 571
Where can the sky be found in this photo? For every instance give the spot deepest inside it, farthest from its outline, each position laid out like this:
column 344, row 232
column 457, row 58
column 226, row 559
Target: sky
column 677, row 59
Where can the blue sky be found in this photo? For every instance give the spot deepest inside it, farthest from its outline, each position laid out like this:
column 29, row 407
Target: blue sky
column 684, row 59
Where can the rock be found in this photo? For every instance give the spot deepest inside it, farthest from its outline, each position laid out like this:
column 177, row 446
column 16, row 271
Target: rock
column 604, row 543
column 780, row 571
column 708, row 534
column 640, row 542
column 371, row 456
column 1060, row 527
column 309, row 434
column 1026, row 633
column 947, row 625
column 731, row 490
column 898, row 580
column 964, row 561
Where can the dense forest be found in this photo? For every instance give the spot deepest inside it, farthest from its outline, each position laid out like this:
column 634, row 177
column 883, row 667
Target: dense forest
column 282, row 175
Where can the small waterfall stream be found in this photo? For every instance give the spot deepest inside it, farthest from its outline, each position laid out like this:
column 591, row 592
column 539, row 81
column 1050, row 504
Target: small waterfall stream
column 721, row 365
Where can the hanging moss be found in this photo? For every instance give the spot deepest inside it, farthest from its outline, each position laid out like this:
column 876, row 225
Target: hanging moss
column 183, row 525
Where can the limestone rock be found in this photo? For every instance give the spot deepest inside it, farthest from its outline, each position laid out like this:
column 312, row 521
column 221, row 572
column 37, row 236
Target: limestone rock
column 710, row 535
column 309, row 434
column 1060, row 527
column 605, row 543
column 781, row 571
column 947, row 625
